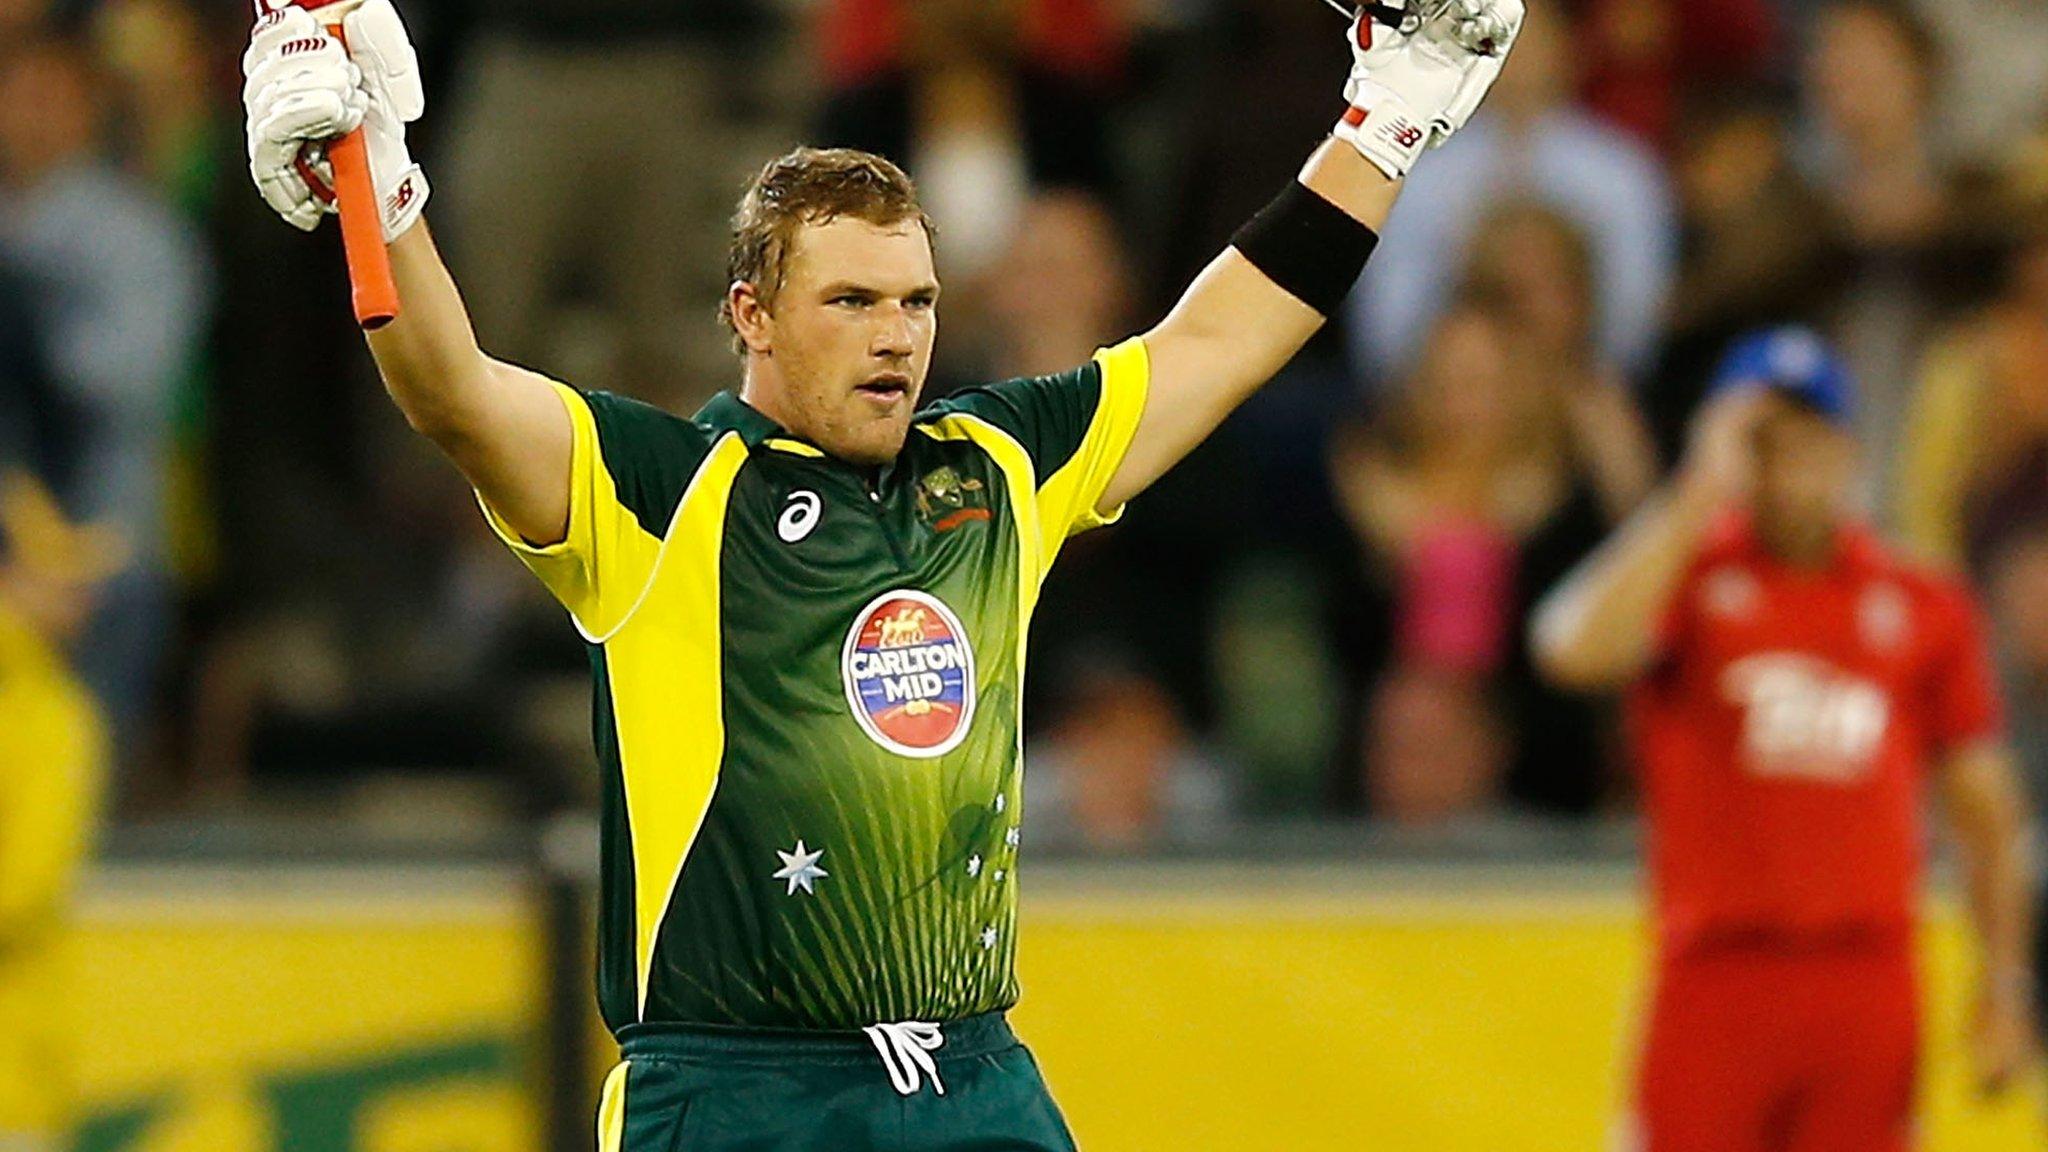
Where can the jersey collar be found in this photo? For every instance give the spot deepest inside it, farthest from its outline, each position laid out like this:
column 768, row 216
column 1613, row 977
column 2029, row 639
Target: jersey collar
column 726, row 412
column 1857, row 546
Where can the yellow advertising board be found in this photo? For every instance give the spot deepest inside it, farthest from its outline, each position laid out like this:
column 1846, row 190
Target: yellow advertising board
column 390, row 1013
column 1192, row 1017
column 294, row 1012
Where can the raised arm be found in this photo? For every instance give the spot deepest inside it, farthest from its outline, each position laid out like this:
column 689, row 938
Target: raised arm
column 1258, row 303
column 1599, row 628
column 503, row 426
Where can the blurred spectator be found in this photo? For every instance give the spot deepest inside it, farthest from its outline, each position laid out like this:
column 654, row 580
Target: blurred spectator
column 1529, row 142
column 1439, row 499
column 2000, row 83
column 982, row 103
column 172, row 103
column 1540, row 267
column 1974, row 467
column 1645, row 56
column 586, row 243
column 120, row 295
column 31, row 430
column 1118, row 769
column 54, row 752
column 1243, row 132
column 1060, row 290
column 420, row 664
column 1758, row 249
column 1499, row 468
column 2018, row 602
column 1871, row 90
column 22, row 20
column 177, row 133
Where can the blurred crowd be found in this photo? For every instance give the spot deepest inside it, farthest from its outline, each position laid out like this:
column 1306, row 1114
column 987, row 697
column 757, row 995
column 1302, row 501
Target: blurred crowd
column 1321, row 614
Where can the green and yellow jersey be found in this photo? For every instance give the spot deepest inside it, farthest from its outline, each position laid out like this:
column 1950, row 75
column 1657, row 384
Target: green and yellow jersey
column 809, row 679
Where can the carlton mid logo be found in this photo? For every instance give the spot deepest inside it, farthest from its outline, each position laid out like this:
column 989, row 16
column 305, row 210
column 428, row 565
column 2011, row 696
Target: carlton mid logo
column 909, row 674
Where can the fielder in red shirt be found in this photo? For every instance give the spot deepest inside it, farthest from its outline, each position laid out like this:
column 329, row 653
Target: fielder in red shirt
column 1794, row 686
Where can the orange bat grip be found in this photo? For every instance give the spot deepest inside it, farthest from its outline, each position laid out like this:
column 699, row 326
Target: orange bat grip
column 362, row 231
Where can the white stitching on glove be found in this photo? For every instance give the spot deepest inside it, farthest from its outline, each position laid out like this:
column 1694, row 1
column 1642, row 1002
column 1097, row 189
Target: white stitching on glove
column 303, row 89
column 1412, row 91
column 300, row 89
column 378, row 43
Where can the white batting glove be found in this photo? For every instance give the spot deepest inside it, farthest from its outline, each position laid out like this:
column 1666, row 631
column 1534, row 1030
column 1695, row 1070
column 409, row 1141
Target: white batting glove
column 303, row 90
column 1412, row 88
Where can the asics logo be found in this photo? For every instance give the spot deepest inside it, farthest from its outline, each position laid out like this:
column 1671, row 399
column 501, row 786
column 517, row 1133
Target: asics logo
column 800, row 516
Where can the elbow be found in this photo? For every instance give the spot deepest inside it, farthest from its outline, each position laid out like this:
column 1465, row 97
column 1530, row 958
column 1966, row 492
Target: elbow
column 1573, row 670
column 435, row 422
column 1567, row 657
column 439, row 405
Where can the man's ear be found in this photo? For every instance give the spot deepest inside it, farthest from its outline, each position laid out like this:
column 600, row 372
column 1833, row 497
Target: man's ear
column 751, row 318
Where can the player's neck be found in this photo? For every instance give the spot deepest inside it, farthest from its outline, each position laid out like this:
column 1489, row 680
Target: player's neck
column 762, row 391
column 1800, row 545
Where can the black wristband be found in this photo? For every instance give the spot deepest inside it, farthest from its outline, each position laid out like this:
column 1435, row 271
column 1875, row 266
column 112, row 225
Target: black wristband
column 1308, row 246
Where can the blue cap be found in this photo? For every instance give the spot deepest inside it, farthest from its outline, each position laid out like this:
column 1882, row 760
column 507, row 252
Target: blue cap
column 1792, row 360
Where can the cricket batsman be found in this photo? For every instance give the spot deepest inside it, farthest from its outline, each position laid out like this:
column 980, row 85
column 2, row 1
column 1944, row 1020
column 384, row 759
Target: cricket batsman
column 1795, row 686
column 807, row 606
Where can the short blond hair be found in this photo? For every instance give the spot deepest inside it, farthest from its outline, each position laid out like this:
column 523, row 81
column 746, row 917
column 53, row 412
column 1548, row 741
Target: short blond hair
column 810, row 186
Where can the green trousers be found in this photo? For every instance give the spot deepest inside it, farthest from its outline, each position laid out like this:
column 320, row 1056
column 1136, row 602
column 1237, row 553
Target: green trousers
column 970, row 1086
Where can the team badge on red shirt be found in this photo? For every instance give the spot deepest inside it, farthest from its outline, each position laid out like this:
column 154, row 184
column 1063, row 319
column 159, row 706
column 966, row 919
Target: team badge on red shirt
column 1730, row 593
column 1882, row 617
column 909, row 674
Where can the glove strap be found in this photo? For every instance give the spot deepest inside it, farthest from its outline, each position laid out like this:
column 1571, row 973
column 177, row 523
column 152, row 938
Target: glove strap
column 1385, row 131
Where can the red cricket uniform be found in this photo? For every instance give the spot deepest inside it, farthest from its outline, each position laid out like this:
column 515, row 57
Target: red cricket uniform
column 1784, row 736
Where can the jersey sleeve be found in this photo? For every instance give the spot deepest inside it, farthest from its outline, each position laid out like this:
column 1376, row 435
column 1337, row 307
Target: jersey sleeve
column 1075, row 427
column 1966, row 705
column 630, row 464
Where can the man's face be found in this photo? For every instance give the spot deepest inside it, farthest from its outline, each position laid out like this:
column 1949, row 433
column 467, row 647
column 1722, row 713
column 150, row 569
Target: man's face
column 1862, row 72
column 46, row 112
column 1805, row 471
column 850, row 335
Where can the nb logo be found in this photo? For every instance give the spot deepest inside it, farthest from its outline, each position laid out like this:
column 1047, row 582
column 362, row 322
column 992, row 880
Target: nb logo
column 1408, row 137
column 799, row 516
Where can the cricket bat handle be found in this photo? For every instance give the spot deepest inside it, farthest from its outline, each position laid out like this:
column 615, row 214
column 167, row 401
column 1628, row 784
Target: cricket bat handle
column 374, row 290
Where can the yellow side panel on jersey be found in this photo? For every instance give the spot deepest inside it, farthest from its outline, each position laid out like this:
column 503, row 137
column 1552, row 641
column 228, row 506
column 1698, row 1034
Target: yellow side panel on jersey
column 602, row 567
column 663, row 667
column 1067, row 499
column 611, row 1111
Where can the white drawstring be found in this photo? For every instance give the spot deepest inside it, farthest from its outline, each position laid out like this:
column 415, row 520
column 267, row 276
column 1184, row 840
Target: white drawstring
column 906, row 1050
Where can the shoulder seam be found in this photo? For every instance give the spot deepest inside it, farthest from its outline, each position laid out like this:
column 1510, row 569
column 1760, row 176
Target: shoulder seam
column 661, row 553
column 930, row 429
